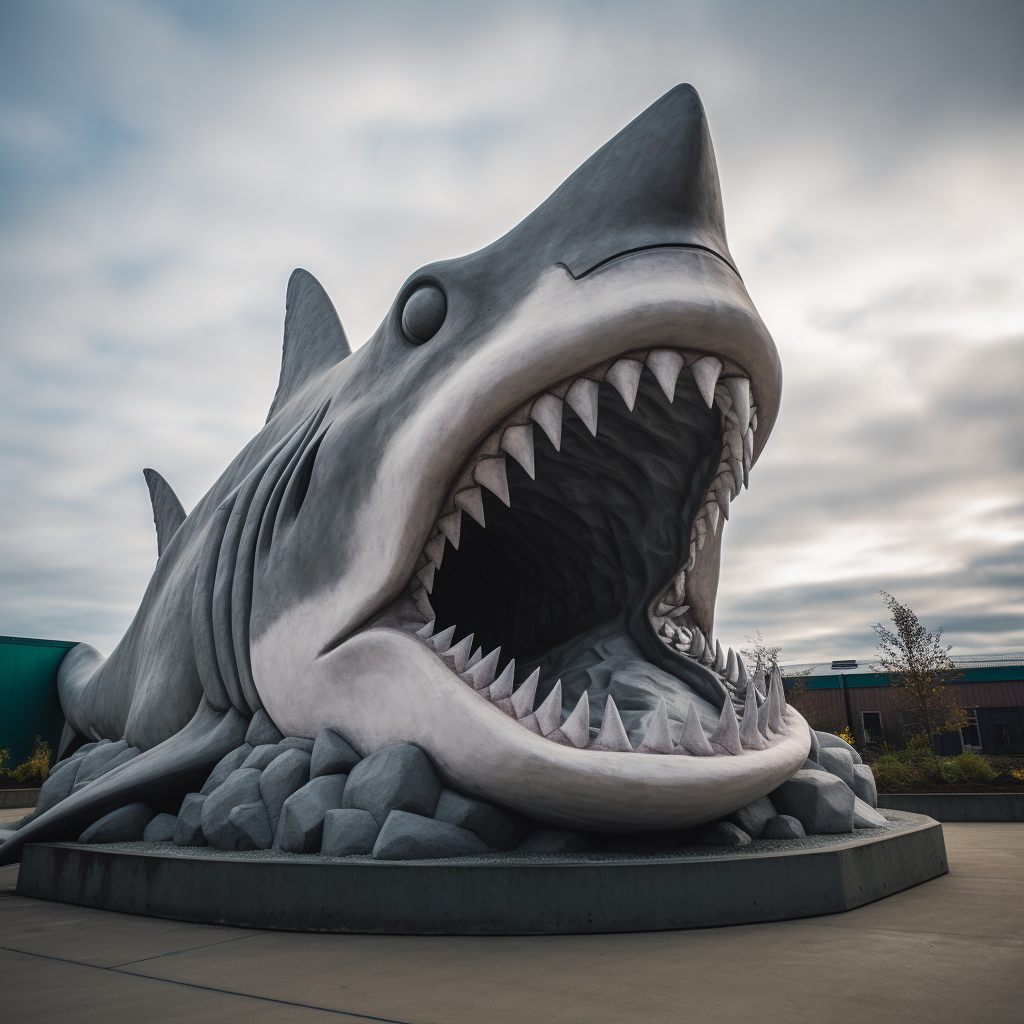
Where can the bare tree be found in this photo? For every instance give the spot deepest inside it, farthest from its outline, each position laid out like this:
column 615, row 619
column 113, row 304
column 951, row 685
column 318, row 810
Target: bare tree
column 918, row 665
column 761, row 654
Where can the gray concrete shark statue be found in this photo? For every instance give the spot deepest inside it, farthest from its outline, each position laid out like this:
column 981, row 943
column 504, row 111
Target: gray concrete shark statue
column 493, row 531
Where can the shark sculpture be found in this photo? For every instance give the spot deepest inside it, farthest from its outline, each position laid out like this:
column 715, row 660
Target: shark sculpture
column 492, row 531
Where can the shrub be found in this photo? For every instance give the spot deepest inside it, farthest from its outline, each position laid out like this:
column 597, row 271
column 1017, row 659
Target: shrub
column 1017, row 773
column 967, row 767
column 847, row 736
column 891, row 770
column 36, row 768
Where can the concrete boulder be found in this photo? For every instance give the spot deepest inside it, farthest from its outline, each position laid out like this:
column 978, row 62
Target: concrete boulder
column 783, row 826
column 253, row 822
column 240, row 787
column 408, row 836
column 838, row 763
column 752, row 818
column 230, row 762
column 348, row 832
column 864, row 784
column 830, row 741
column 722, row 833
column 57, row 786
column 301, row 826
column 498, row 828
column 398, row 778
column 95, row 763
column 865, row 816
column 160, row 829
column 821, row 802
column 285, row 776
column 557, row 840
column 262, row 730
column 298, row 743
column 261, row 756
column 188, row 829
column 125, row 825
column 332, row 755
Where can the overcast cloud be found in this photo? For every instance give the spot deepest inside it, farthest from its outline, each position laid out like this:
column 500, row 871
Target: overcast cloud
column 166, row 164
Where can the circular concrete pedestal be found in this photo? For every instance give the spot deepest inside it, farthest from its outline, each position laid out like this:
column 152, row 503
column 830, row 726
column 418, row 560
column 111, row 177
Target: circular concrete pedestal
column 499, row 894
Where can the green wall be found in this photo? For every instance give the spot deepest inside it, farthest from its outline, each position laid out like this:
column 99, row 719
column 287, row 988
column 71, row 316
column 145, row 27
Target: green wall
column 28, row 694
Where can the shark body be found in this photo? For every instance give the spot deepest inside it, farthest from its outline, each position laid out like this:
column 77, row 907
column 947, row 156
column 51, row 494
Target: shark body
column 538, row 446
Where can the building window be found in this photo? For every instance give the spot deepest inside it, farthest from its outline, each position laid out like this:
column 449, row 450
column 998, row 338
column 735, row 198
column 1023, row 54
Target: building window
column 970, row 734
column 871, row 724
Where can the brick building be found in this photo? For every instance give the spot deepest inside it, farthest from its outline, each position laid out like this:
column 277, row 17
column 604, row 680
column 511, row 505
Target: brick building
column 854, row 694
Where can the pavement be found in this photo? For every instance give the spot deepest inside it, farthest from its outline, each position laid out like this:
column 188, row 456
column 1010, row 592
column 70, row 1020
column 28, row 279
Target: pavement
column 951, row 949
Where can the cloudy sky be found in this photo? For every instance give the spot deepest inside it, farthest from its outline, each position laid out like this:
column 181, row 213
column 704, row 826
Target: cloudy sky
column 166, row 164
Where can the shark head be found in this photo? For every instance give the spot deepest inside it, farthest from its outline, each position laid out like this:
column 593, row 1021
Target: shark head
column 494, row 530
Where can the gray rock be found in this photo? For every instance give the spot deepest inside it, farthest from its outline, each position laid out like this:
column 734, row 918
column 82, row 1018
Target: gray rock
column 865, row 816
column 332, row 755
column 188, row 829
column 752, row 818
column 230, row 762
column 722, row 833
column 812, row 766
column 398, row 778
column 837, row 762
column 254, row 822
column 821, row 802
column 241, row 787
column 557, row 840
column 830, row 741
column 76, row 756
column 160, row 829
column 298, row 742
column 125, row 825
column 57, row 786
column 261, row 756
column 498, row 828
column 784, row 826
column 286, row 775
column 262, row 730
column 815, row 746
column 408, row 836
column 348, row 831
column 301, row 827
column 95, row 763
column 864, row 784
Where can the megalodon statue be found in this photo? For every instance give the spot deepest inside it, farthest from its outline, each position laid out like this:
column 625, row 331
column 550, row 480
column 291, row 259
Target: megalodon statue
column 493, row 531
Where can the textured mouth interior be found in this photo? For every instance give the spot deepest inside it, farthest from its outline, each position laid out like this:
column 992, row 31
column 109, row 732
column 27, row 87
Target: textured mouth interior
column 599, row 532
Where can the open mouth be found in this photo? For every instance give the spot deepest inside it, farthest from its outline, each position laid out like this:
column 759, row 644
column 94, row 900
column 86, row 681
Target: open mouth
column 565, row 580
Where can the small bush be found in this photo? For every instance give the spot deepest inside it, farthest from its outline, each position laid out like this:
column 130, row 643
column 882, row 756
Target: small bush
column 32, row 772
column 847, row 736
column 891, row 770
column 1017, row 773
column 966, row 767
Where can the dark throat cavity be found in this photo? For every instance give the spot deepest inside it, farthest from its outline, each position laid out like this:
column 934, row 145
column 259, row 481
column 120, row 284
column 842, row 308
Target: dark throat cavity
column 600, row 531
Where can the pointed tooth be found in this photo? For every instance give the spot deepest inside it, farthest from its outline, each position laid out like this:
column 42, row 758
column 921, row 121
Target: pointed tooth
column 726, row 738
column 427, row 631
column 705, row 372
column 679, row 585
column 732, row 670
column 759, row 683
column 501, row 688
column 664, row 607
column 549, row 713
column 665, row 364
column 697, row 644
column 491, row 473
column 434, row 549
column 518, row 442
column 547, row 413
column 712, row 513
column 576, row 728
column 701, row 529
column 426, row 576
column 624, row 376
column 736, row 468
column 719, row 665
column 753, row 421
column 522, row 699
column 739, row 392
column 482, row 673
column 708, row 657
column 459, row 654
column 613, row 733
column 678, row 610
column 582, row 399
column 443, row 640
column 722, row 497
column 741, row 675
column 693, row 741
column 750, row 735
column 692, row 560
column 776, row 700
column 475, row 657
column 451, row 527
column 658, row 739
column 422, row 602
column 471, row 501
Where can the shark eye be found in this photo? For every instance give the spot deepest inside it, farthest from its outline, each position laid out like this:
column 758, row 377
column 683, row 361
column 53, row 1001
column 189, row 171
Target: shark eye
column 424, row 313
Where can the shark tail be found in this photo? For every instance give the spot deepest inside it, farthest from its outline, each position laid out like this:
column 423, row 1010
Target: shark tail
column 164, row 772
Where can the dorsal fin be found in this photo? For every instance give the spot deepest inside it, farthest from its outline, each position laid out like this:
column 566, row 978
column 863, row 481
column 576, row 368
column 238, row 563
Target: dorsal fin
column 313, row 336
column 168, row 513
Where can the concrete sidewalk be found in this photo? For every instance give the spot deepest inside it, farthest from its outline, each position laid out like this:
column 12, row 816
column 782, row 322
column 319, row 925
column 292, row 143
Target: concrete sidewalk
column 948, row 950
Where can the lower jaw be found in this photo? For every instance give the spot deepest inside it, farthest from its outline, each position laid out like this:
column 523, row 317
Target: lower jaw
column 384, row 686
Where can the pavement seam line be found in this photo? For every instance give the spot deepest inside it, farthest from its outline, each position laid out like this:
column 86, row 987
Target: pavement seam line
column 208, row 988
column 175, row 952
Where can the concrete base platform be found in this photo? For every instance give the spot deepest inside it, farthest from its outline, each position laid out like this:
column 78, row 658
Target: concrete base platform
column 957, row 806
column 502, row 894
